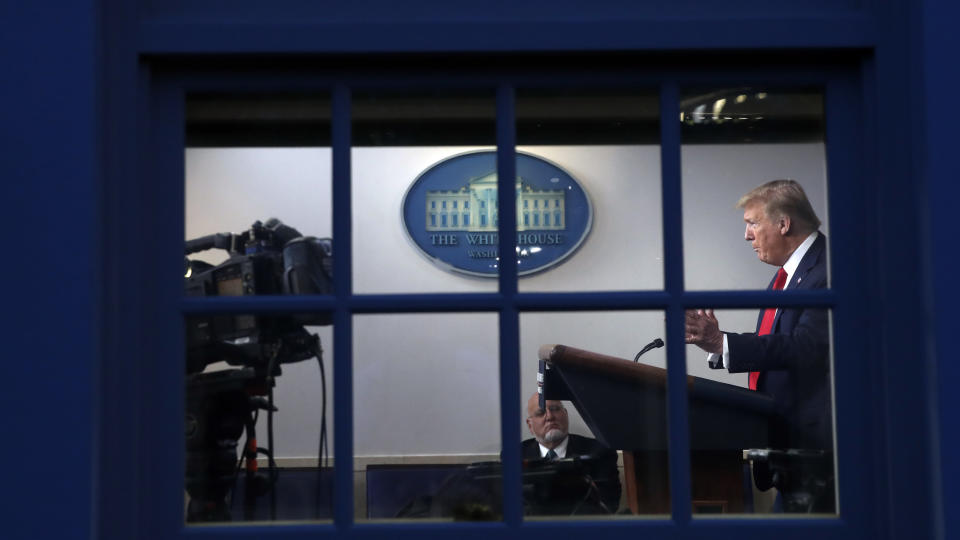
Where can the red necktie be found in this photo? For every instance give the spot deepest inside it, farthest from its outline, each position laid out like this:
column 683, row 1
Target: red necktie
column 766, row 325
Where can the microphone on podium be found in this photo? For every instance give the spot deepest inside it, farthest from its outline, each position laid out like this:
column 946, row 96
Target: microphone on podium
column 655, row 344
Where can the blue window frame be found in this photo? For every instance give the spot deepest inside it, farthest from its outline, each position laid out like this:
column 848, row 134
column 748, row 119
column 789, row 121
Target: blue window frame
column 162, row 399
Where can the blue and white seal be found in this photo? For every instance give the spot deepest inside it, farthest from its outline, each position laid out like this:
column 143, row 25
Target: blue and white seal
column 450, row 213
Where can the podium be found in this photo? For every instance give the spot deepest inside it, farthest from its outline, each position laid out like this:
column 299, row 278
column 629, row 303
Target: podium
column 624, row 405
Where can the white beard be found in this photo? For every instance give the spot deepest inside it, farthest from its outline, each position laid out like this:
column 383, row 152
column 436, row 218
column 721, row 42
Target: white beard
column 554, row 435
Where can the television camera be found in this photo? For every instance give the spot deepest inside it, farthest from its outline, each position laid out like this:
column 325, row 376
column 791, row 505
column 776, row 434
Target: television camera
column 268, row 259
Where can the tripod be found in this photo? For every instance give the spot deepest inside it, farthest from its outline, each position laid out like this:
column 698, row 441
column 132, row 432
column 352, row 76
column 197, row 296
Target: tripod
column 221, row 405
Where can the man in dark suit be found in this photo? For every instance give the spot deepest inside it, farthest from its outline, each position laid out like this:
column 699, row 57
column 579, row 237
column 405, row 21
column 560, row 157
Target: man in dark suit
column 788, row 357
column 585, row 479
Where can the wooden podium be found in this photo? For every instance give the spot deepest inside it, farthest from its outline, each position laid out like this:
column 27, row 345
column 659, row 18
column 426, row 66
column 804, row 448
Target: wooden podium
column 624, row 405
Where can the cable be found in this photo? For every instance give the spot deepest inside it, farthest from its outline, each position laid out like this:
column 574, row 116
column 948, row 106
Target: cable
column 322, row 451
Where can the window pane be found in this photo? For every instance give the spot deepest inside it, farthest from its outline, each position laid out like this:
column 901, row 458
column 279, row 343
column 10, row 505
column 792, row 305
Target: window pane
column 764, row 443
column 245, row 401
column 588, row 202
column 735, row 140
column 257, row 169
column 272, row 201
column 425, row 209
column 249, row 159
column 427, row 416
column 598, row 401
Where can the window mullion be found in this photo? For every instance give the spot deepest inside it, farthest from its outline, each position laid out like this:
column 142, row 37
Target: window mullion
column 847, row 215
column 678, row 434
column 509, row 316
column 161, row 377
column 343, row 318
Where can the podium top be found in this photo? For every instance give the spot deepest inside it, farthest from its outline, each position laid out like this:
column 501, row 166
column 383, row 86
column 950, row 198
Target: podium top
column 605, row 388
column 571, row 356
column 698, row 388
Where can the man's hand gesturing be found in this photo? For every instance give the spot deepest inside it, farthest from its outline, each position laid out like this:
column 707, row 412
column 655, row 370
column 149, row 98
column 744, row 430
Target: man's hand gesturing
column 703, row 330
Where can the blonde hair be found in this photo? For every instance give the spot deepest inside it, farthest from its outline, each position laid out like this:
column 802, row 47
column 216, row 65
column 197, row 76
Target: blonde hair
column 784, row 198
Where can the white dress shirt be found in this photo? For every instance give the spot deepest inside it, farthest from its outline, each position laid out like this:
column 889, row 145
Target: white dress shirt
column 561, row 449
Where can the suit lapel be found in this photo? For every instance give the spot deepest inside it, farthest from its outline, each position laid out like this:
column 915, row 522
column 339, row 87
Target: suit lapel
column 531, row 451
column 573, row 449
column 809, row 260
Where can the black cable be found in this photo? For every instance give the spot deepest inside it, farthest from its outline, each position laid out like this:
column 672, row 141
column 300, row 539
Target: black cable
column 322, row 451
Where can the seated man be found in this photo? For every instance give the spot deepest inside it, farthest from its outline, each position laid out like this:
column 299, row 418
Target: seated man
column 587, row 480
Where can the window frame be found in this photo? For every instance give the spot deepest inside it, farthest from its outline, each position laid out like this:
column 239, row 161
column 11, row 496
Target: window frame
column 159, row 207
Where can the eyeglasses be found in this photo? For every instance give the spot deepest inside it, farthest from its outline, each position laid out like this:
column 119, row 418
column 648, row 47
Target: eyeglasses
column 555, row 409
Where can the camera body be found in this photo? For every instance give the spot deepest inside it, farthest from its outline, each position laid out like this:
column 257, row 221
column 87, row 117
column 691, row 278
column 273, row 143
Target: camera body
column 268, row 259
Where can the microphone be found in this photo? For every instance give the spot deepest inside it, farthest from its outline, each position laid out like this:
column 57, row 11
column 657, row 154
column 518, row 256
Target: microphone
column 219, row 240
column 655, row 344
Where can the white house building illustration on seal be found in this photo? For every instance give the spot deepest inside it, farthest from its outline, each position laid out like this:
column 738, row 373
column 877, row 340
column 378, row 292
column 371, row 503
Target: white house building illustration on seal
column 474, row 207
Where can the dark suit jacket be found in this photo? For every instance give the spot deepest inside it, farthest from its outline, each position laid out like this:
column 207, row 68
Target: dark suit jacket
column 603, row 469
column 794, row 362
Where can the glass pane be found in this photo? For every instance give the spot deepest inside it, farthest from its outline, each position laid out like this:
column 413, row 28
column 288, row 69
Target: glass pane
column 588, row 198
column 762, row 441
column 257, row 171
column 258, row 221
column 424, row 192
column 603, row 413
column 272, row 200
column 259, row 415
column 427, row 417
column 735, row 140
